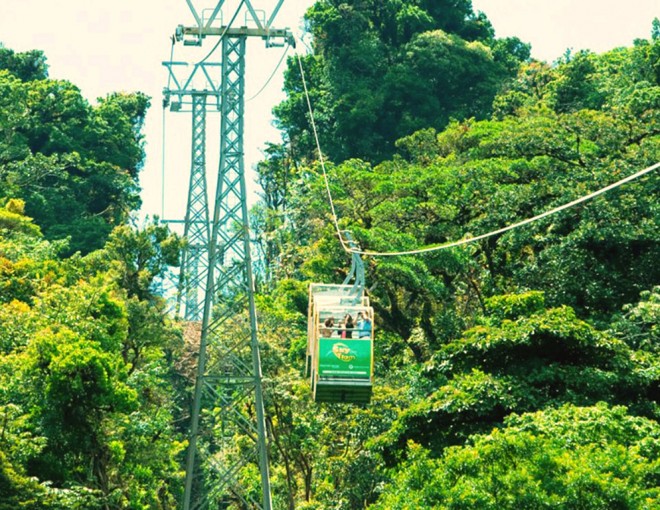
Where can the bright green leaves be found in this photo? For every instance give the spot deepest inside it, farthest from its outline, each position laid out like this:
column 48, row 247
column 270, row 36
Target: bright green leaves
column 570, row 457
column 86, row 406
column 542, row 358
column 13, row 220
column 17, row 323
column 513, row 306
column 17, row 490
column 92, row 309
column 411, row 20
column 57, row 113
column 577, row 88
column 470, row 338
column 83, row 387
column 74, row 165
column 82, row 382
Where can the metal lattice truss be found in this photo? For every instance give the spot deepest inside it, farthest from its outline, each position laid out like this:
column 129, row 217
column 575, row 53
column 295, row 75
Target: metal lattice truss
column 197, row 92
column 227, row 440
column 227, row 425
column 254, row 22
column 194, row 263
column 183, row 82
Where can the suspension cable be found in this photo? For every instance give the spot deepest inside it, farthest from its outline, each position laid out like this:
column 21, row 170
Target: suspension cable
column 286, row 49
column 162, row 157
column 344, row 244
column 452, row 244
column 514, row 225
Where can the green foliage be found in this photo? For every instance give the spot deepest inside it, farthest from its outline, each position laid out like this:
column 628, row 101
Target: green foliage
column 12, row 220
column 546, row 358
column 27, row 66
column 116, row 120
column 85, row 400
column 140, row 257
column 86, row 414
column 383, row 69
column 571, row 457
column 68, row 197
column 17, row 490
column 74, row 165
column 639, row 324
column 577, row 88
column 513, row 306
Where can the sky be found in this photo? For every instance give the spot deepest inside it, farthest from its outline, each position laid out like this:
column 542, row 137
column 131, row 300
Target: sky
column 104, row 47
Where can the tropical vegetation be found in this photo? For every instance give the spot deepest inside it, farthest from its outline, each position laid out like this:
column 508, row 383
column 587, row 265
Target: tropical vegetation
column 519, row 371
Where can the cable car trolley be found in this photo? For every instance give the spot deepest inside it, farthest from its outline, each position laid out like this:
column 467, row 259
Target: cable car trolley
column 340, row 340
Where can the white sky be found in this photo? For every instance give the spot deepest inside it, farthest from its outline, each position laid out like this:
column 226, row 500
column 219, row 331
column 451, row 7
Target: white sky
column 119, row 45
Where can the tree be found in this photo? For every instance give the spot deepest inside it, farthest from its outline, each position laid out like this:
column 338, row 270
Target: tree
column 383, row 69
column 570, row 457
column 524, row 358
column 27, row 66
column 85, row 407
column 440, row 76
column 74, row 165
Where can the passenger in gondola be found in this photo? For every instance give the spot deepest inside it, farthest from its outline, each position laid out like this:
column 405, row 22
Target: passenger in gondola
column 363, row 325
column 326, row 331
column 347, row 332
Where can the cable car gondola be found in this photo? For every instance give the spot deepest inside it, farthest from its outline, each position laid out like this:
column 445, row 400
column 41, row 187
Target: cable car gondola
column 340, row 340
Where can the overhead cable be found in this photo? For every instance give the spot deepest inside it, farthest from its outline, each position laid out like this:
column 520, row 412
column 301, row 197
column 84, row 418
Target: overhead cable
column 344, row 244
column 286, row 49
column 467, row 240
column 460, row 242
column 162, row 156
column 224, row 32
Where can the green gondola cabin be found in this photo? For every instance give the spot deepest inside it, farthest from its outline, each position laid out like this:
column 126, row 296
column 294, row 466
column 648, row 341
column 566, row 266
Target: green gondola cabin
column 340, row 347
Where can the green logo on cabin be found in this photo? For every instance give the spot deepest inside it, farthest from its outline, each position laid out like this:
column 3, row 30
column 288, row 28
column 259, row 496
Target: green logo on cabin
column 346, row 358
column 343, row 352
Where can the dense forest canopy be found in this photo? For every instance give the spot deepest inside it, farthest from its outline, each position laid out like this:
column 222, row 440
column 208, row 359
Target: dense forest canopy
column 521, row 371
column 75, row 165
column 384, row 69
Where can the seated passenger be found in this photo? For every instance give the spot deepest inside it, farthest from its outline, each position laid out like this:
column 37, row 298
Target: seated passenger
column 364, row 325
column 326, row 331
column 347, row 332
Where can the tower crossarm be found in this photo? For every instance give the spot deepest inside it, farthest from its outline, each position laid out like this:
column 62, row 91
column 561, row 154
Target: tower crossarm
column 255, row 23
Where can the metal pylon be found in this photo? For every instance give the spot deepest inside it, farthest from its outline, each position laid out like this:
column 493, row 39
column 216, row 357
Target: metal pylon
column 194, row 260
column 227, row 424
column 228, row 399
column 198, row 92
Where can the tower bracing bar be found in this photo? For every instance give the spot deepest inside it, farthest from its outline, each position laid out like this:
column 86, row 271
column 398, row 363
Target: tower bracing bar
column 227, row 424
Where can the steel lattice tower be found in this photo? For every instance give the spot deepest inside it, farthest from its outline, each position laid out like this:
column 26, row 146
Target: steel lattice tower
column 182, row 96
column 194, row 263
column 227, row 425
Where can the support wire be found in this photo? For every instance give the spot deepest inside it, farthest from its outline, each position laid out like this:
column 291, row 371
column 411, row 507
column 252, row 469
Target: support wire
column 344, row 244
column 467, row 240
